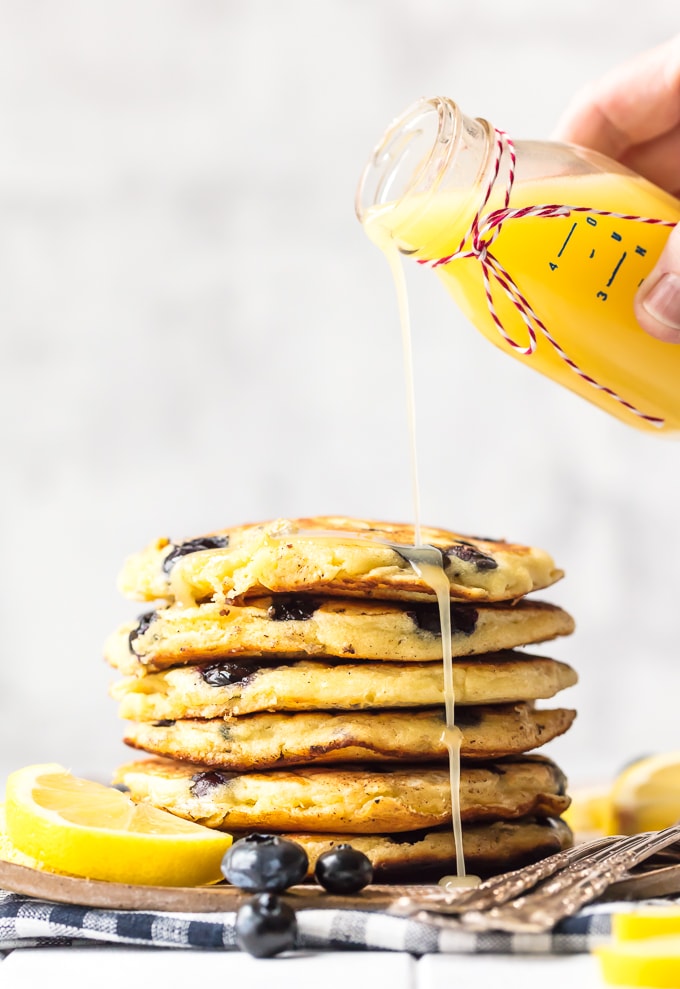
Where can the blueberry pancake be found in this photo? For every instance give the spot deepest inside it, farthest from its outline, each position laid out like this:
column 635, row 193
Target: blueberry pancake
column 235, row 687
column 332, row 555
column 300, row 626
column 272, row 741
column 416, row 856
column 347, row 799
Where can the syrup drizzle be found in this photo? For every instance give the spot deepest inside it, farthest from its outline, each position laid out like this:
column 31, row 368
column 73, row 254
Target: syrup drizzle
column 427, row 563
column 181, row 588
column 426, row 560
column 394, row 260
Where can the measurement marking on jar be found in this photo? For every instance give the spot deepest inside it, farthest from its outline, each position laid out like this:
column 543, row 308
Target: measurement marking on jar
column 616, row 269
column 573, row 227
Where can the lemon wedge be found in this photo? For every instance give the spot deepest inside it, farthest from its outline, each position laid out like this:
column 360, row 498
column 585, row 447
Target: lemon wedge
column 76, row 826
column 645, row 949
column 646, row 922
column 650, row 962
column 646, row 795
column 8, row 853
column 588, row 813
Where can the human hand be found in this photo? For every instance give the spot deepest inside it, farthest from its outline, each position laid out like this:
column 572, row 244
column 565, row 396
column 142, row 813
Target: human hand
column 632, row 114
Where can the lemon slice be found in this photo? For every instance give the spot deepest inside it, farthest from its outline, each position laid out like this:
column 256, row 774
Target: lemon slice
column 8, row 852
column 646, row 795
column 588, row 813
column 89, row 830
column 646, row 922
column 651, row 962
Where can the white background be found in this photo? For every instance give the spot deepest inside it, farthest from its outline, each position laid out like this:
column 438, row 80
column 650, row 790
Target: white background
column 197, row 333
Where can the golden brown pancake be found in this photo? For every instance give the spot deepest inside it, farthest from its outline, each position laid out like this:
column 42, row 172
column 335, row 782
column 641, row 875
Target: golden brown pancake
column 332, row 555
column 307, row 626
column 271, row 741
column 347, row 799
column 227, row 688
column 422, row 856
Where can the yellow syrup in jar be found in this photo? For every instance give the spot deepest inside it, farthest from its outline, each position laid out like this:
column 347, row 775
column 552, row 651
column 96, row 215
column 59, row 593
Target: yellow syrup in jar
column 579, row 273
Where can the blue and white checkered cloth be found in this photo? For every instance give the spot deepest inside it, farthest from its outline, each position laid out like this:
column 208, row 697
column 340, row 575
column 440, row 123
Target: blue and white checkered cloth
column 29, row 922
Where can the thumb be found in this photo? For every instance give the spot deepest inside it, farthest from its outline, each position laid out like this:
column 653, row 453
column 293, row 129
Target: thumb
column 657, row 303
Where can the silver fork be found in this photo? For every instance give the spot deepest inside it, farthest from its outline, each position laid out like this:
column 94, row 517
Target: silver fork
column 536, row 898
column 566, row 892
column 498, row 889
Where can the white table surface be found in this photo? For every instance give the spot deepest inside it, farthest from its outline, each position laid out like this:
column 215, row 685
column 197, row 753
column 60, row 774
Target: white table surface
column 178, row 969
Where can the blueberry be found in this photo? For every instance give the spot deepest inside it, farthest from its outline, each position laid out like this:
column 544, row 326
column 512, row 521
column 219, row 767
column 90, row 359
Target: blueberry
column 192, row 546
column 265, row 926
column 470, row 554
column 265, row 862
column 143, row 623
column 292, row 609
column 343, row 869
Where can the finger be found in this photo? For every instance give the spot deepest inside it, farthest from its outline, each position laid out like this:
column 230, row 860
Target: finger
column 585, row 123
column 658, row 160
column 632, row 104
column 657, row 304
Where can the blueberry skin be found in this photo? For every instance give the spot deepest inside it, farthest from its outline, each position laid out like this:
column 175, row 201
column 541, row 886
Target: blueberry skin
column 343, row 869
column 265, row 926
column 265, row 863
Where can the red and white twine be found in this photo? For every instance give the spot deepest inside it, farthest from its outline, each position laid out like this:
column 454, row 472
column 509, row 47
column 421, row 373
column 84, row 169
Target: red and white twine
column 477, row 243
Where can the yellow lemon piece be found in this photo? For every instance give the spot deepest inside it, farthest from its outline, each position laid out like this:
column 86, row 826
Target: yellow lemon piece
column 76, row 826
column 646, row 795
column 646, row 922
column 588, row 812
column 651, row 962
column 8, row 852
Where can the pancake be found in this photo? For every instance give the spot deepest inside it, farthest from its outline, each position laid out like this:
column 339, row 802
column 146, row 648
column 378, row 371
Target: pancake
column 332, row 555
column 296, row 627
column 347, row 799
column 271, row 741
column 417, row 856
column 229, row 688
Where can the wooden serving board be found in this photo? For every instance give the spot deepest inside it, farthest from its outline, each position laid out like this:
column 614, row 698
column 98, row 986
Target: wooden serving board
column 181, row 899
column 655, row 882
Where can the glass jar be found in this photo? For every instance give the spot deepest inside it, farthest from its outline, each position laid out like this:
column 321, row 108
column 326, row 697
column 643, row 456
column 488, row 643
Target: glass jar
column 543, row 245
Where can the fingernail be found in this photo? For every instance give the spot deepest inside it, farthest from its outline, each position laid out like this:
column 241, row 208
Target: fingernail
column 662, row 302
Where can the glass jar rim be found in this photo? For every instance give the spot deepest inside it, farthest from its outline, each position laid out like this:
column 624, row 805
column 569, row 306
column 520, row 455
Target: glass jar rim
column 400, row 142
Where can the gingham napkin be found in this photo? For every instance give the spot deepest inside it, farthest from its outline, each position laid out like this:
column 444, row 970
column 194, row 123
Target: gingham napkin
column 29, row 922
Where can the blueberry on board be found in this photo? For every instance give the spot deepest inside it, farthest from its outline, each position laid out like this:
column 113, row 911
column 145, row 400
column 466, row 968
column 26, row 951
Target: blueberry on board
column 265, row 863
column 343, row 869
column 266, row 926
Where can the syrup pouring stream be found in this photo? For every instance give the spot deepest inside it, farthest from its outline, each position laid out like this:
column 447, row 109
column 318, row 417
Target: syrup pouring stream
column 426, row 560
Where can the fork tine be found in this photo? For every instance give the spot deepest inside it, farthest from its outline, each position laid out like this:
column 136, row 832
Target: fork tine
column 536, row 896
column 571, row 888
column 498, row 889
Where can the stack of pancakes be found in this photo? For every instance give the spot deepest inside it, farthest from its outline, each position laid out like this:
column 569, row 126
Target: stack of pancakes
column 291, row 681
